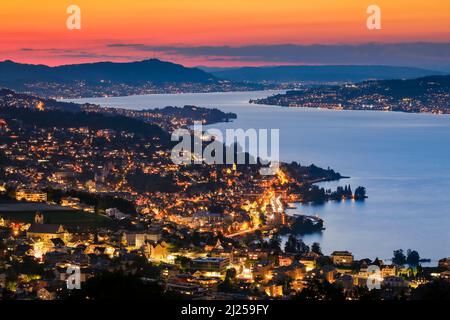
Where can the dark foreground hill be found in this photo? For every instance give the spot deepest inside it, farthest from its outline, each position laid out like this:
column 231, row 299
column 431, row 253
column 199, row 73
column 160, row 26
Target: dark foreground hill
column 14, row 74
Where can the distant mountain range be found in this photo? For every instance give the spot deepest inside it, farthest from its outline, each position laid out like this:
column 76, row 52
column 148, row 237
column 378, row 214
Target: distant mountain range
column 156, row 76
column 113, row 79
column 14, row 74
column 319, row 74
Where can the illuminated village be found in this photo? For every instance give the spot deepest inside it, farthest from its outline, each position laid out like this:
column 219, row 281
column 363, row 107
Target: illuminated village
column 109, row 200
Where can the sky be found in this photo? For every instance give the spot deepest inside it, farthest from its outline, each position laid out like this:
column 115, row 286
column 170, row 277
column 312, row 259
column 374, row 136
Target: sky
column 227, row 32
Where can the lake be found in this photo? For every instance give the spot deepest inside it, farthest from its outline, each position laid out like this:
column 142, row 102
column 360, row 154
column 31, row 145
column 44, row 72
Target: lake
column 402, row 159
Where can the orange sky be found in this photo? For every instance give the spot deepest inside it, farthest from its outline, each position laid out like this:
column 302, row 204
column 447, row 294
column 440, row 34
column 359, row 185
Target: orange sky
column 41, row 25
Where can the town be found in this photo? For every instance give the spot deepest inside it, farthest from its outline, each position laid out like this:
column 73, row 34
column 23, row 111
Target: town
column 422, row 95
column 95, row 188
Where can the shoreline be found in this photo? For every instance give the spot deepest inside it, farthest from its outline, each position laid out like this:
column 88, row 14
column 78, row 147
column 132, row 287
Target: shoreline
column 348, row 109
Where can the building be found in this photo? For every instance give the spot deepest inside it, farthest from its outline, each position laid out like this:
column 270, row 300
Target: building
column 284, row 261
column 138, row 239
column 295, row 271
column 70, row 202
column 116, row 214
column 46, row 294
column 203, row 218
column 31, row 195
column 445, row 275
column 46, row 232
column 394, row 282
column 309, row 262
column 156, row 250
column 273, row 290
column 210, row 266
column 388, row 271
column 342, row 258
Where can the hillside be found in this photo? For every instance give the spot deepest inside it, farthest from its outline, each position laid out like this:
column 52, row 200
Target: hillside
column 14, row 74
column 318, row 74
column 427, row 94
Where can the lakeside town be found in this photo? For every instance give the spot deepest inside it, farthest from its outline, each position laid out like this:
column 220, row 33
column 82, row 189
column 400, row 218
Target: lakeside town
column 422, row 95
column 94, row 188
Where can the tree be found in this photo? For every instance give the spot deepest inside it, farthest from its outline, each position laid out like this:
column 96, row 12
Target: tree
column 227, row 284
column 321, row 290
column 316, row 248
column 399, row 257
column 436, row 290
column 184, row 263
column 296, row 246
column 413, row 257
column 231, row 273
column 360, row 193
column 117, row 286
column 275, row 242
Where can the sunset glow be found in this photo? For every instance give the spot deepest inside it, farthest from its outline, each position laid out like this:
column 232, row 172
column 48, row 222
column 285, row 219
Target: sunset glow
column 40, row 27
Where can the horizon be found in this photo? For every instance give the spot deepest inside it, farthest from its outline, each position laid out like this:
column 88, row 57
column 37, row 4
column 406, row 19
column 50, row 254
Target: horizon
column 252, row 151
column 443, row 68
column 219, row 34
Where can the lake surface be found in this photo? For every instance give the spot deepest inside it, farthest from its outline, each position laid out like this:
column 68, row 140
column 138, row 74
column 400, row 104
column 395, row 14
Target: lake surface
column 402, row 159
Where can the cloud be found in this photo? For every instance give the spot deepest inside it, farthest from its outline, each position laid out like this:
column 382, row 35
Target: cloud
column 418, row 54
column 126, row 45
column 75, row 53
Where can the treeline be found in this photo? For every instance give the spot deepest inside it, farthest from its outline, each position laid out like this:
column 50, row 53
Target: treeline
column 411, row 257
column 142, row 182
column 311, row 172
column 100, row 202
column 93, row 121
column 315, row 194
column 347, row 193
column 210, row 115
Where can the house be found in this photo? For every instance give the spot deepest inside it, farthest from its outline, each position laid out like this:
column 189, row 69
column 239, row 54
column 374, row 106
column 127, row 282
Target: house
column 210, row 266
column 31, row 195
column 273, row 290
column 116, row 214
column 62, row 275
column 387, row 271
column 187, row 289
column 156, row 250
column 46, row 294
column 346, row 282
column 342, row 258
column 394, row 282
column 70, row 202
column 295, row 271
column 54, row 257
column 138, row 239
column 285, row 260
column 46, row 232
column 445, row 275
column 329, row 272
column 263, row 268
column 309, row 262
